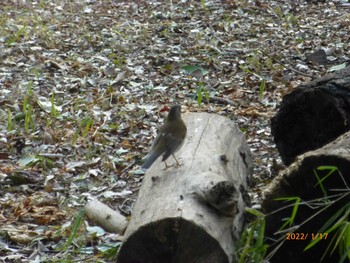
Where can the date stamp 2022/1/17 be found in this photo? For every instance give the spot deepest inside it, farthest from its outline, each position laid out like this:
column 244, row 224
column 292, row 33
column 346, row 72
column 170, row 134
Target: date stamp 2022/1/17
column 305, row 236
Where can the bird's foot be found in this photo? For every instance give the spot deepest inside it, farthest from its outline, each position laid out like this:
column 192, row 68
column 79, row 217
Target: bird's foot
column 167, row 166
column 177, row 162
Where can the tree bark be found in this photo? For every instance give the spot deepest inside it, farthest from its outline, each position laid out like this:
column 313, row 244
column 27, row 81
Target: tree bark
column 312, row 115
column 302, row 179
column 195, row 212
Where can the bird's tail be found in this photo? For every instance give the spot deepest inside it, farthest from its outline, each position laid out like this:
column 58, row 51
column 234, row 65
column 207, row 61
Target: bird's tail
column 152, row 157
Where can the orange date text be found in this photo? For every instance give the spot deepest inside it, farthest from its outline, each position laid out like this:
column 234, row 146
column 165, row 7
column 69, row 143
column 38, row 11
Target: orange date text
column 297, row 236
column 304, row 236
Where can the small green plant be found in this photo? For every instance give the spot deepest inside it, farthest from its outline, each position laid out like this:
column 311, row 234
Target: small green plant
column 254, row 61
column 251, row 246
column 28, row 121
column 75, row 242
column 54, row 112
column 198, row 73
column 118, row 59
column 78, row 221
column 204, row 6
column 278, row 11
column 262, row 79
column 28, row 114
column 331, row 169
column 288, row 18
column 42, row 4
column 112, row 251
column 289, row 222
column 339, row 223
column 32, row 160
column 262, row 89
column 291, row 19
column 27, row 110
column 22, row 31
column 9, row 120
column 86, row 123
column 84, row 128
column 42, row 31
column 258, row 61
column 200, row 91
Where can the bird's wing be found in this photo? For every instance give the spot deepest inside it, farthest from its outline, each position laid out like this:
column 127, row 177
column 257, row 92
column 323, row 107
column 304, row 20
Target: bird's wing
column 174, row 136
column 173, row 143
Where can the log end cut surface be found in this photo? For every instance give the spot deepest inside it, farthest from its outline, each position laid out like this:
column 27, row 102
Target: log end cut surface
column 307, row 121
column 168, row 241
column 312, row 115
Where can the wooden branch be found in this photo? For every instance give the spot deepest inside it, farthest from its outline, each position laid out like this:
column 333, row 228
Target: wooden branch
column 105, row 216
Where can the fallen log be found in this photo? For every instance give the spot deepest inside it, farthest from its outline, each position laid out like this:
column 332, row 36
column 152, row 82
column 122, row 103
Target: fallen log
column 321, row 180
column 195, row 212
column 312, row 115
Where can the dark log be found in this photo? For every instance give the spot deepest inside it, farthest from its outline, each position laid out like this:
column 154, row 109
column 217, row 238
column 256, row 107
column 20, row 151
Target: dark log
column 312, row 115
column 299, row 180
column 195, row 212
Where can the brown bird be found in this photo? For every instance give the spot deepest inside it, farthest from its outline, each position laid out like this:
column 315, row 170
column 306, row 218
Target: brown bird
column 169, row 139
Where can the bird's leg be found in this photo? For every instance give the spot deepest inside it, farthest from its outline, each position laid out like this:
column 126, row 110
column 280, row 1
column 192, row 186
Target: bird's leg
column 177, row 162
column 166, row 166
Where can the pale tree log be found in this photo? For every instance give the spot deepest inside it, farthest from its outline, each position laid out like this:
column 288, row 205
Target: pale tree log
column 195, row 212
column 302, row 179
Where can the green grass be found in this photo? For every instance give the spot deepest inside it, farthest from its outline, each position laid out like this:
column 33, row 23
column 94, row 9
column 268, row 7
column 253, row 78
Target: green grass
column 252, row 247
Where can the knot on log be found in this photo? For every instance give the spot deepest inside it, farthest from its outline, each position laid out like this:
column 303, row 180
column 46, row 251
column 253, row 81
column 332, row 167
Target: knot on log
column 220, row 195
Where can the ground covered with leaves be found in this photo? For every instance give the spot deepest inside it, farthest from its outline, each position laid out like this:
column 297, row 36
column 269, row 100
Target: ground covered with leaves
column 85, row 84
